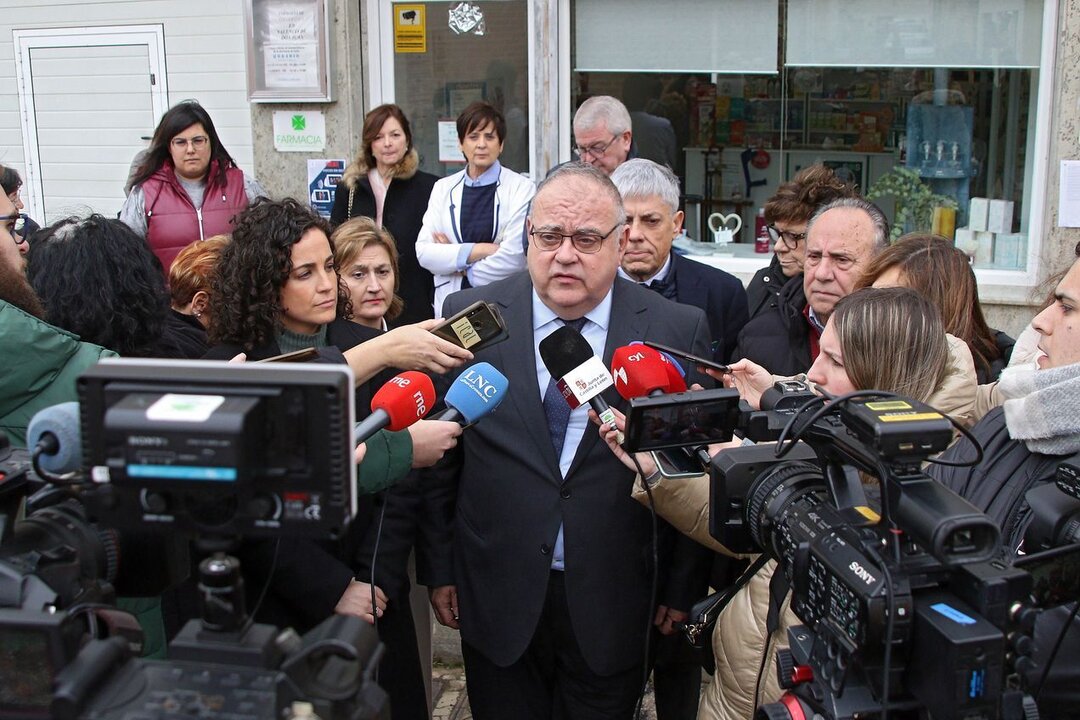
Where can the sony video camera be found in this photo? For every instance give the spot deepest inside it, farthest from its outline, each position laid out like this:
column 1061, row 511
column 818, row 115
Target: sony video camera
column 908, row 606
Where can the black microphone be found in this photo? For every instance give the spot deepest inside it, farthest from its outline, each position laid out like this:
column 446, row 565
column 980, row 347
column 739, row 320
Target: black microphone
column 579, row 375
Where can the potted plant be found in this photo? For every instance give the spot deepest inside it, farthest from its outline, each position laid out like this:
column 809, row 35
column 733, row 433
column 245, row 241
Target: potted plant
column 915, row 201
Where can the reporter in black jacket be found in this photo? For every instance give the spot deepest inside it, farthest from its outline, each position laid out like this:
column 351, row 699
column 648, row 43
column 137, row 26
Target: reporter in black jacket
column 1023, row 443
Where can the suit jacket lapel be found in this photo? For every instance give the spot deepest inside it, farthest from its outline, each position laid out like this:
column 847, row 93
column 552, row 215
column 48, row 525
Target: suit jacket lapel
column 629, row 322
column 518, row 360
column 689, row 290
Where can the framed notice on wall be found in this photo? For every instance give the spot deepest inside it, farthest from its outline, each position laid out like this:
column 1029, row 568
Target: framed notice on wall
column 288, row 50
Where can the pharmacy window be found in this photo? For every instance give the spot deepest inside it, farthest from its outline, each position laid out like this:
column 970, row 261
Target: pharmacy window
column 932, row 108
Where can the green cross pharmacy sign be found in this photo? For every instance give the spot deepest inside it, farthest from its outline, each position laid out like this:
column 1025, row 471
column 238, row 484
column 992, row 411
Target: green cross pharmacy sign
column 299, row 131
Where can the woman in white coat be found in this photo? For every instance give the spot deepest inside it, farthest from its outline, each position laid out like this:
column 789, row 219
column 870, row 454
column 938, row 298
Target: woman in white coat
column 471, row 233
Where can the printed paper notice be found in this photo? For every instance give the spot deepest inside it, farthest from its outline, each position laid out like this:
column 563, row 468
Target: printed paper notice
column 1069, row 194
column 410, row 29
column 449, row 148
column 291, row 66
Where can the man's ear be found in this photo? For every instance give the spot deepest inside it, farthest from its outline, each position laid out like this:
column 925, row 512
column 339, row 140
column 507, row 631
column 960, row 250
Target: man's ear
column 677, row 221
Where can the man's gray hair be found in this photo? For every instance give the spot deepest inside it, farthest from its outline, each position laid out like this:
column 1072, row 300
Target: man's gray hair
column 640, row 178
column 877, row 218
column 603, row 108
column 586, row 173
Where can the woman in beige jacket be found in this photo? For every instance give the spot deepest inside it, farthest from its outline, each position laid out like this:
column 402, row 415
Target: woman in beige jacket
column 888, row 339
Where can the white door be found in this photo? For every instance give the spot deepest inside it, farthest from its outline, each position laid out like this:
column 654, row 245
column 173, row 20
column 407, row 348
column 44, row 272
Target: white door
column 89, row 98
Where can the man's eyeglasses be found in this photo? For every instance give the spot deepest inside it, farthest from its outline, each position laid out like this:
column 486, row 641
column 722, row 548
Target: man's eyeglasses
column 588, row 243
column 596, row 150
column 16, row 223
column 791, row 239
column 198, row 142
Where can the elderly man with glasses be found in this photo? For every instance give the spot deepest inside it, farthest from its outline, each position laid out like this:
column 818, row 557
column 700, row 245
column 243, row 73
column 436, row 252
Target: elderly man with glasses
column 787, row 214
column 841, row 237
column 531, row 550
column 602, row 133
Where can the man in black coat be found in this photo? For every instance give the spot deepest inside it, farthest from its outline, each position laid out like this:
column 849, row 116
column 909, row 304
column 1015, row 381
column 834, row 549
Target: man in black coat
column 840, row 240
column 1023, row 443
column 533, row 545
column 650, row 194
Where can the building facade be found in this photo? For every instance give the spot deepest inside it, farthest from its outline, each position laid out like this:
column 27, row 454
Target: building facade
column 977, row 100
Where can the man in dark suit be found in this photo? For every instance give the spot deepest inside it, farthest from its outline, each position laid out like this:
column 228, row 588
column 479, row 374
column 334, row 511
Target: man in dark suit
column 533, row 546
column 650, row 194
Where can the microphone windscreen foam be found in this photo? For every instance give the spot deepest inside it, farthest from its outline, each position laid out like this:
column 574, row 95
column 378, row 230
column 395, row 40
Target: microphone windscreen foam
column 477, row 391
column 675, row 375
column 638, row 370
column 564, row 350
column 62, row 421
column 406, row 398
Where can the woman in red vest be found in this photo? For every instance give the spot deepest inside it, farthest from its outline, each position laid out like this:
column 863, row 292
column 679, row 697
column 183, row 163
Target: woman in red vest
column 187, row 187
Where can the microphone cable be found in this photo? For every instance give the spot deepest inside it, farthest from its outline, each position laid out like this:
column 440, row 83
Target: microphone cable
column 654, row 591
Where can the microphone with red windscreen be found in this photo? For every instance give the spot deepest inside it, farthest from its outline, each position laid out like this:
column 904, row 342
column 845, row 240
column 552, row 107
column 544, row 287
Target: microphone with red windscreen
column 404, row 399
column 639, row 370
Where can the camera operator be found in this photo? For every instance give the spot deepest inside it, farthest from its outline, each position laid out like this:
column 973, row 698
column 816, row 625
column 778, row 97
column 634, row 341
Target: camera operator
column 889, row 339
column 1023, row 443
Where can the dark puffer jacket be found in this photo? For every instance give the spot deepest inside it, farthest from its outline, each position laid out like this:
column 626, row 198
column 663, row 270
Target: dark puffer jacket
column 778, row 338
column 765, row 286
column 997, row 486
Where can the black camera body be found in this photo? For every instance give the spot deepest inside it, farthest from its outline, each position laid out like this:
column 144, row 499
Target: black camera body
column 905, row 602
column 174, row 452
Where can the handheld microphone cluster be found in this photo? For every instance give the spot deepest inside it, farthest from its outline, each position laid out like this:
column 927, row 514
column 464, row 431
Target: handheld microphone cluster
column 579, row 375
column 408, row 397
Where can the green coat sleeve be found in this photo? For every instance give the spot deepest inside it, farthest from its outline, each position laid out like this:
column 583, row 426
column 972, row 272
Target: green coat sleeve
column 389, row 458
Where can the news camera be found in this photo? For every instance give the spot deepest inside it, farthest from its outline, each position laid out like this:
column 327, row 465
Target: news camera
column 909, row 609
column 174, row 452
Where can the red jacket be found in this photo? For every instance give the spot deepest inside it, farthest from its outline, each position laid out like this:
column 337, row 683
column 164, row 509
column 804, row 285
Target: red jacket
column 173, row 223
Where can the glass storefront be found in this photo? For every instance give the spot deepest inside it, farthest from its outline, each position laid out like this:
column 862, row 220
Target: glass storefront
column 931, row 107
column 946, row 147
column 482, row 55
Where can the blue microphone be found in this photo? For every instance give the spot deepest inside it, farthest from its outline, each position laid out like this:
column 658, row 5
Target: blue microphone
column 476, row 392
column 53, row 434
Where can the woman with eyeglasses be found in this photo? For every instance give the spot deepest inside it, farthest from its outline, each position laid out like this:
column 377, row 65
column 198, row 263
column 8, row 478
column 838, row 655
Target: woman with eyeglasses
column 786, row 215
column 24, row 226
column 187, row 187
column 471, row 234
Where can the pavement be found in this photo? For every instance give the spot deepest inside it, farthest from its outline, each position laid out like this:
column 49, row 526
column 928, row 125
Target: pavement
column 449, row 696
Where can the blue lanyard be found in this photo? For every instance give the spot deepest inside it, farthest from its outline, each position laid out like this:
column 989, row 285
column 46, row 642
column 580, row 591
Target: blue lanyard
column 453, row 218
